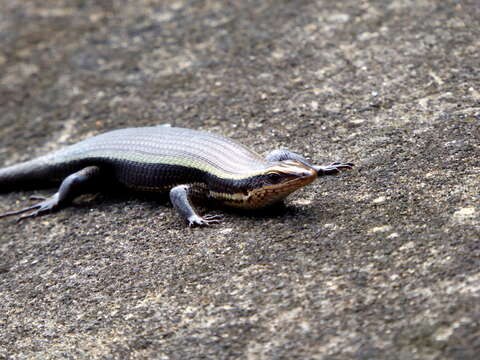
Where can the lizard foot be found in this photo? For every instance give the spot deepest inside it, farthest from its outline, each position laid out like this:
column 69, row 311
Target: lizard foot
column 41, row 208
column 206, row 220
column 333, row 168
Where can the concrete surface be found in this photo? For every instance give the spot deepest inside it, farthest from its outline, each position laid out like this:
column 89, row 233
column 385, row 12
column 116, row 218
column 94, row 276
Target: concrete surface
column 379, row 263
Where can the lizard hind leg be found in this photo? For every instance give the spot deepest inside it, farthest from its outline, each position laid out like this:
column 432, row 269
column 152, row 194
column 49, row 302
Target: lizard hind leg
column 72, row 186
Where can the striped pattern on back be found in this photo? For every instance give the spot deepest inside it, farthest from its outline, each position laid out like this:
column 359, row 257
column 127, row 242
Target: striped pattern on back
column 204, row 151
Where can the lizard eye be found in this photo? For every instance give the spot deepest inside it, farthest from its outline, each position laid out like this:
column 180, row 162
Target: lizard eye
column 274, row 178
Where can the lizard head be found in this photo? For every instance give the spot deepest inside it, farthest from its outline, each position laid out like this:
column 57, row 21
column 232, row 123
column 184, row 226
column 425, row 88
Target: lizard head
column 273, row 184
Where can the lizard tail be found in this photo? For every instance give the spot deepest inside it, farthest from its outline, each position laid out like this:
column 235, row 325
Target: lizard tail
column 31, row 174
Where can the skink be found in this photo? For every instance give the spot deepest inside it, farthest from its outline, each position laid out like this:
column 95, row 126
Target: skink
column 192, row 165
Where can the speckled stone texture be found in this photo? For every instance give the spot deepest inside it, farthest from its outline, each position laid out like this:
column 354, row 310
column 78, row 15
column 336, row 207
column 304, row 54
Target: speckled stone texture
column 379, row 263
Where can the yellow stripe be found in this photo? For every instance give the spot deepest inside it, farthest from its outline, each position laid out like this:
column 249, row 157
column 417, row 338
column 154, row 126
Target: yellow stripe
column 231, row 197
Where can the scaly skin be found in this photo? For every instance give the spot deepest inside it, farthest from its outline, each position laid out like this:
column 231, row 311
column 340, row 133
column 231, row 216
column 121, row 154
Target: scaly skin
column 190, row 164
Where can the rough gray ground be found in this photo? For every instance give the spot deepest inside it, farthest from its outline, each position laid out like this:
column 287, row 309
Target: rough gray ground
column 379, row 263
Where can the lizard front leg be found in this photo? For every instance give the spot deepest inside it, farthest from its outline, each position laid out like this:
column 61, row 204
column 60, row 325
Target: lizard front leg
column 180, row 198
column 331, row 169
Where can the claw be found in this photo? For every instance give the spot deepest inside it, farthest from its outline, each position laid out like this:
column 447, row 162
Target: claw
column 33, row 214
column 18, row 212
column 213, row 217
column 38, row 197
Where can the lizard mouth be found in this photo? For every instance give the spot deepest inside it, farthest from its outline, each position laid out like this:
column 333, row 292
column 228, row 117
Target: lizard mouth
column 271, row 194
column 301, row 177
